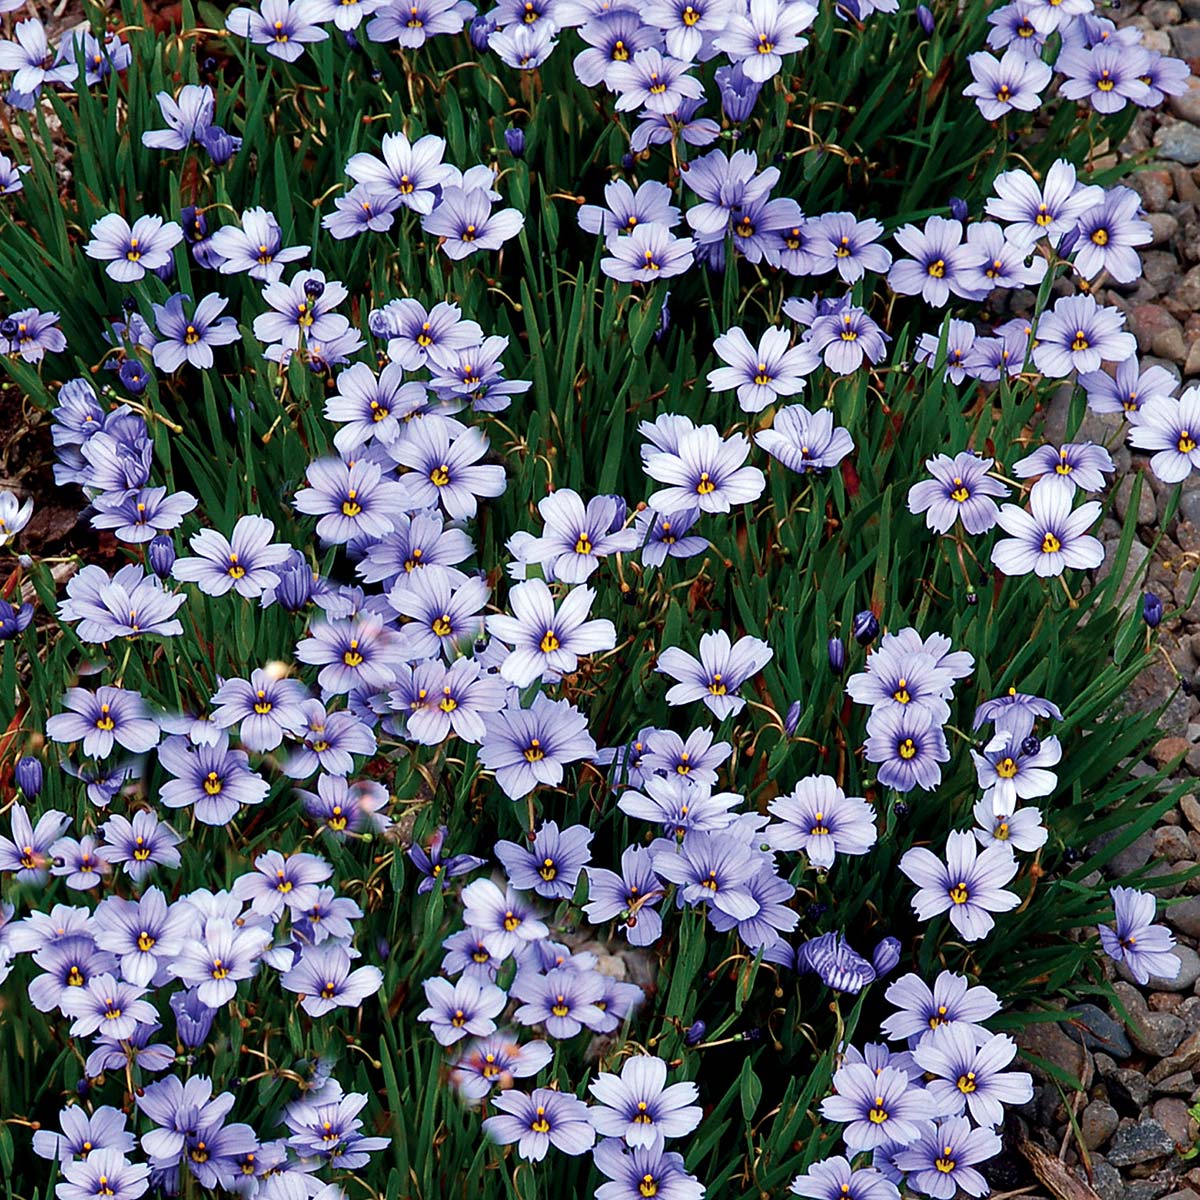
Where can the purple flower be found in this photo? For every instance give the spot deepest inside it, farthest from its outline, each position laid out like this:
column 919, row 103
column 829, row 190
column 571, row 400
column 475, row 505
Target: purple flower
column 283, row 26
column 1021, row 830
column 330, row 741
column 1051, row 210
column 679, row 806
column 190, row 339
column 724, row 186
column 652, row 81
column 650, row 252
column 257, row 246
column 1049, row 537
column 939, row 264
column 1164, row 77
column 303, row 307
column 950, row 1001
column 875, row 1107
column 764, row 374
column 626, row 209
column 138, row 516
column 546, row 640
column 216, row 960
column 462, row 1009
column 281, row 882
column 1170, row 427
column 840, row 241
column 564, row 1000
column 144, row 932
column 1009, row 261
column 446, row 471
column 438, row 701
column 1078, row 334
column 417, row 336
column 711, row 868
column 125, row 606
column 805, row 441
column 971, row 1075
column 242, row 562
column 818, row 818
column 104, row 1173
column 1008, row 771
column 409, row 173
column 960, row 489
column 665, row 536
column 213, row 780
column 969, row 885
column 739, row 93
column 372, row 408
column 464, row 220
column 660, row 129
column 31, row 334
column 695, row 759
column 537, row 1121
column 353, row 500
column 131, row 252
column 718, row 674
column 552, row 862
column 630, row 896
column 102, row 719
column 613, row 37
column 26, row 57
column 1080, row 465
column 359, row 210
column 845, row 337
column 323, row 980
column 397, row 22
column 524, row 47
column 833, row 1179
column 1108, row 234
column 435, row 868
column 83, row 1132
column 444, row 617
column 187, row 118
column 644, row 1169
column 1144, row 948
column 503, row 919
column 104, row 1003
column 1127, row 390
column 759, row 37
column 639, row 1107
column 265, row 707
column 705, row 472
column 494, row 1061
column 347, row 808
column 27, row 853
column 1107, row 75
column 526, row 747
column 327, row 1127
column 1014, row 82
column 575, row 537
column 907, row 744
column 76, row 863
column 139, row 845
column 942, row 1160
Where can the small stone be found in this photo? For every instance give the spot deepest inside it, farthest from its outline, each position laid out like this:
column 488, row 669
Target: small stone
column 1179, row 142
column 1165, row 751
column 1047, row 1040
column 1187, row 106
column 1185, row 40
column 1190, row 807
column 1106, row 1181
column 1095, row 1029
column 1180, row 1084
column 1128, row 1090
column 1157, row 1033
column 1162, row 12
column 1097, row 1123
column 1147, row 510
column 1154, row 187
column 1142, row 1142
column 1164, row 1002
column 1160, row 269
column 1125, row 862
column 1172, row 1115
column 1163, row 227
column 1185, row 1057
column 1140, row 1187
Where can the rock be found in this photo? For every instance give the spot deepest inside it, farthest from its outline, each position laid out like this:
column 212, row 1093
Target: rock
column 1164, row 751
column 1136, row 854
column 1154, row 187
column 1187, row 290
column 1097, row 1123
column 1143, row 1188
column 1189, row 972
column 1094, row 1028
column 1160, row 269
column 1128, row 1090
column 1179, row 142
column 1142, row 1142
column 1163, row 227
column 1172, row 1115
column 1158, row 1033
column 1047, row 1040
column 1162, row 12
column 1185, row 1057
column 1106, row 1181
column 1187, row 106
column 1182, row 1083
column 1185, row 39
column 1157, row 688
column 1166, row 891
column 1185, row 916
column 1147, row 510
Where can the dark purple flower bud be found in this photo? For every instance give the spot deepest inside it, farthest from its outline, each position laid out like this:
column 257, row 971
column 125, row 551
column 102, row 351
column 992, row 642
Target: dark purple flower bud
column 1067, row 244
column 1031, row 745
column 900, row 808
column 8, row 327
column 972, row 596
column 221, row 146
column 193, row 1019
column 739, row 95
column 694, row 1034
column 166, row 272
column 195, row 227
column 815, row 912
column 626, row 162
column 313, row 288
column 837, row 655
column 753, row 1035
column 958, row 208
column 1152, row 610
column 885, row 957
column 134, row 376
column 129, row 304
column 376, row 75
column 295, row 588
column 83, row 1088
column 1071, row 855
column 161, row 555
column 792, row 719
column 865, row 627
column 481, row 29
column 514, row 139
column 925, row 19
column 383, row 948
column 351, row 40
column 28, row 776
column 664, row 319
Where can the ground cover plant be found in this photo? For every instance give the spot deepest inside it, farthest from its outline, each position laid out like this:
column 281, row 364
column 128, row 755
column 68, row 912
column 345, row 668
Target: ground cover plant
column 590, row 675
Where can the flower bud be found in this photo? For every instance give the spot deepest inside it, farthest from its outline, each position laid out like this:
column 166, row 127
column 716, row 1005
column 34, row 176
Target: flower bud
column 694, row 1034
column 134, row 376
column 793, row 718
column 1152, row 610
column 28, row 776
column 1067, row 244
column 161, row 553
column 295, row 588
column 221, row 145
column 925, row 19
column 193, row 1018
column 837, row 655
column 958, row 208
column 351, row 41
column 314, row 288
column 900, row 808
column 1031, row 745
column 885, row 956
column 514, row 139
column 480, row 31
column 814, row 912
column 865, row 627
